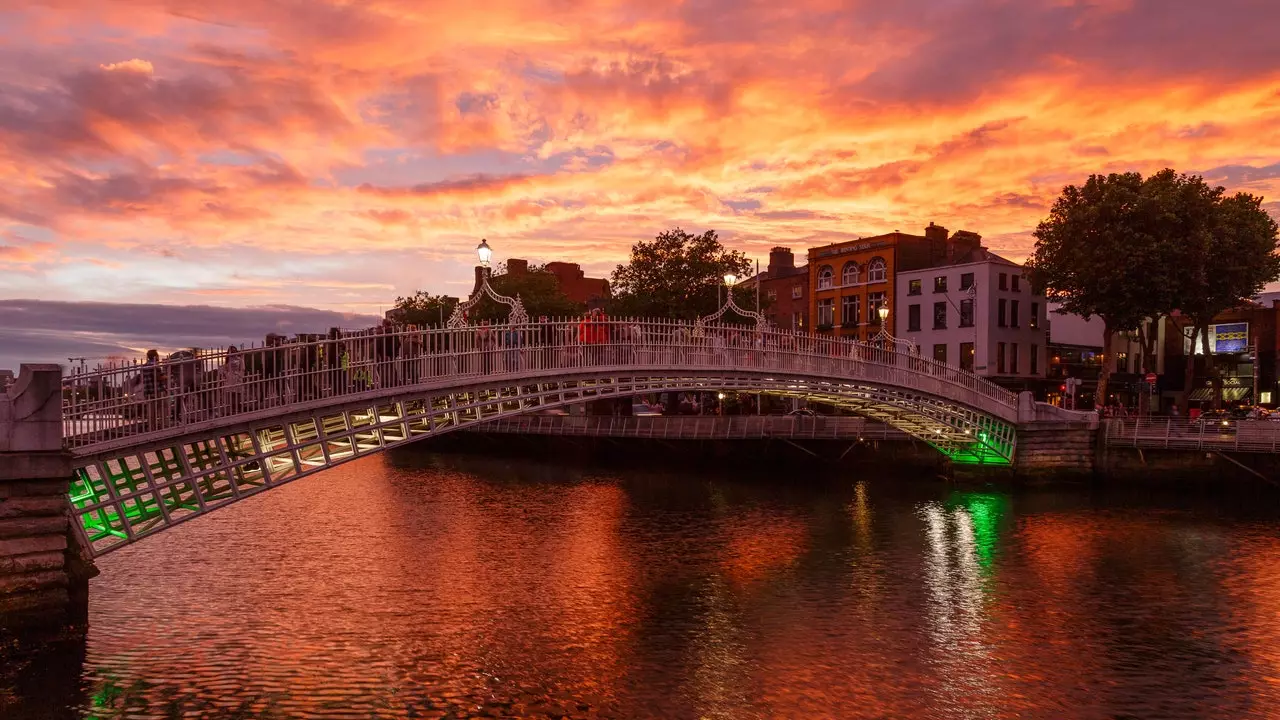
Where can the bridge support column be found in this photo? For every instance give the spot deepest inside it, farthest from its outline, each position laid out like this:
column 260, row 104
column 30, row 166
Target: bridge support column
column 43, row 575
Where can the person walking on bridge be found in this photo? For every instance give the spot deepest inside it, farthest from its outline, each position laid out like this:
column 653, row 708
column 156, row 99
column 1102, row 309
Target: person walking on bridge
column 152, row 388
column 232, row 376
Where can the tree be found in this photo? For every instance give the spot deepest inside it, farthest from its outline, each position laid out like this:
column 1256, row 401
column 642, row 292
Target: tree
column 677, row 275
column 1100, row 252
column 1227, row 256
column 424, row 309
column 1130, row 250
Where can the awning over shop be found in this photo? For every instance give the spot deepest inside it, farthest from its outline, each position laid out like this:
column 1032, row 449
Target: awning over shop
column 1229, row 394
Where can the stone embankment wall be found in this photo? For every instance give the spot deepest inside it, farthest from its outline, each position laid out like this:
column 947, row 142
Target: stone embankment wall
column 1048, row 449
column 43, row 579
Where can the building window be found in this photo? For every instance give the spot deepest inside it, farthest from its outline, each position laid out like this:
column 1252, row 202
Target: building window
column 940, row 284
column 874, row 301
column 1002, row 318
column 876, row 270
column 826, row 312
column 1035, row 317
column 797, row 321
column 913, row 318
column 966, row 356
column 1013, row 359
column 913, row 287
column 825, row 277
column 966, row 281
column 772, row 294
column 849, row 311
column 797, row 292
column 1004, row 281
column 1000, row 358
column 940, row 353
column 1013, row 313
column 1016, row 283
column 849, row 276
column 1035, row 359
column 940, row 316
column 966, row 312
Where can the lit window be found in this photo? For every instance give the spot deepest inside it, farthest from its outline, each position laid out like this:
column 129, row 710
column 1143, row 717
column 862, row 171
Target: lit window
column 825, row 277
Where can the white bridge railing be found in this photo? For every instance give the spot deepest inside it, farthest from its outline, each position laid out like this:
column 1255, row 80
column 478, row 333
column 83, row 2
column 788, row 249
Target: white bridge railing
column 160, row 399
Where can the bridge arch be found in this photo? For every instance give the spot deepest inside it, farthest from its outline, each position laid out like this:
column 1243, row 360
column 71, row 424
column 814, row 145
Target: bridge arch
column 136, row 478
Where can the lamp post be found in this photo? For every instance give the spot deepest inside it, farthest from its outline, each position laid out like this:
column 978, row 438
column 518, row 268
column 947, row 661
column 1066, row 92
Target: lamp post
column 517, row 316
column 885, row 339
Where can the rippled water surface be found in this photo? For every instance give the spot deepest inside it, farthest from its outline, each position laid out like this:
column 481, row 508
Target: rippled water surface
column 423, row 586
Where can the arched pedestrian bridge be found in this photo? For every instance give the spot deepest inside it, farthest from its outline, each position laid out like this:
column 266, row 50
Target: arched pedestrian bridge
column 155, row 445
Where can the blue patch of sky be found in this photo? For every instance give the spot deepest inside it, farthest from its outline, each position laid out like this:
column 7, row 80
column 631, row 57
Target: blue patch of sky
column 392, row 167
column 234, row 158
column 743, row 205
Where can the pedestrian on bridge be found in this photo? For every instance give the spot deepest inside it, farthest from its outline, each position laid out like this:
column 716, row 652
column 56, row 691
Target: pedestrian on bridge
column 232, row 376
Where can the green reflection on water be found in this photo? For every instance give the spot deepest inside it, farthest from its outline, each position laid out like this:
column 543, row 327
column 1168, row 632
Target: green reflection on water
column 985, row 511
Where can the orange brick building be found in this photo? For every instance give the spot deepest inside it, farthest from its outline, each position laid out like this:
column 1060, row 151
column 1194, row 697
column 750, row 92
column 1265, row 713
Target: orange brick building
column 849, row 281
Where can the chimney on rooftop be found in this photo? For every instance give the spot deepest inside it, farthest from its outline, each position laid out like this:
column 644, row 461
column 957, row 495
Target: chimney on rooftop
column 516, row 266
column 781, row 260
column 936, row 238
column 962, row 243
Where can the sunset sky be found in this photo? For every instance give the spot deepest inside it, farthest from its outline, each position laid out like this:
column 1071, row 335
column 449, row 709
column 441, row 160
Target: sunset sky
column 334, row 154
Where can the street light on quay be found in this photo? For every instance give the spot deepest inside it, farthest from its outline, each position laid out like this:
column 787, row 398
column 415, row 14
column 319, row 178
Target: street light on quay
column 730, row 279
column 883, row 312
column 485, row 252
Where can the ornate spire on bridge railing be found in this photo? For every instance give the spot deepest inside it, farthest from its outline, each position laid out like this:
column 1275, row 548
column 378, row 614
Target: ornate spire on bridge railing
column 762, row 323
column 517, row 316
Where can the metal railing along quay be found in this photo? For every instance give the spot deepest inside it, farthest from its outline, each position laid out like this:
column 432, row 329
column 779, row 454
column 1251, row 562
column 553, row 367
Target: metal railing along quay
column 1255, row 436
column 734, row 427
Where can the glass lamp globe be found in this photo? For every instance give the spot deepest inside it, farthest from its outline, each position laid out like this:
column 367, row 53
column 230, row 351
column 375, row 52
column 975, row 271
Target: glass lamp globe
column 883, row 311
column 485, row 252
column 730, row 279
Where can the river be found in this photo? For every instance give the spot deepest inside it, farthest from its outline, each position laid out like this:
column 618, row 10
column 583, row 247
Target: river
column 415, row 585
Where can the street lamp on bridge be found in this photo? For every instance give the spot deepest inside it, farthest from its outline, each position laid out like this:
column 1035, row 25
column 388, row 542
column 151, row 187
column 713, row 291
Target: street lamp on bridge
column 885, row 339
column 517, row 316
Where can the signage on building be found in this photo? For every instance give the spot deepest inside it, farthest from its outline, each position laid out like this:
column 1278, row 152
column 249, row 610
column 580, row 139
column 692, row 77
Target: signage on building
column 1229, row 337
column 852, row 248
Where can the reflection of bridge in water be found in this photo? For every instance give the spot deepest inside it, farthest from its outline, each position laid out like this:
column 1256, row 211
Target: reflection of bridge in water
column 155, row 445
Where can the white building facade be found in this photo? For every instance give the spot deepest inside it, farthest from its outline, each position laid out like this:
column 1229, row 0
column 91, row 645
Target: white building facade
column 978, row 313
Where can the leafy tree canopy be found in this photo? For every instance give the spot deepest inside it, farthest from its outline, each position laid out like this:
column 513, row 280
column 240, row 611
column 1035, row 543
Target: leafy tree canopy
column 678, row 275
column 424, row 309
column 1126, row 248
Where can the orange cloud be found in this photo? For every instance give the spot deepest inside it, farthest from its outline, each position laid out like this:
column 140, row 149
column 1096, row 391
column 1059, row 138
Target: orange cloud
column 374, row 143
